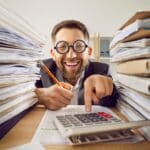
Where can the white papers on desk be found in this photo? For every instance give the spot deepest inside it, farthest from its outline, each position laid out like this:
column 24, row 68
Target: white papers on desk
column 125, row 54
column 16, row 109
column 140, row 99
column 28, row 146
column 140, row 84
column 14, row 99
column 13, row 80
column 20, row 49
column 133, row 115
column 18, row 69
column 145, row 42
column 13, row 22
column 47, row 133
column 18, row 55
column 14, row 90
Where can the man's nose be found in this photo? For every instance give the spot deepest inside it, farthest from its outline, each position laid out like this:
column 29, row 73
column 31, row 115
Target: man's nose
column 71, row 53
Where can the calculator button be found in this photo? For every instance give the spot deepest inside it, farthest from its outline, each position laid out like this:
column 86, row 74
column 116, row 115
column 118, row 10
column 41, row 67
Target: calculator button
column 91, row 138
column 67, row 125
column 105, row 115
column 82, row 118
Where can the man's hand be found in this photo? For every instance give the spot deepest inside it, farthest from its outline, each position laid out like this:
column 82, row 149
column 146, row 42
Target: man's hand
column 55, row 97
column 95, row 88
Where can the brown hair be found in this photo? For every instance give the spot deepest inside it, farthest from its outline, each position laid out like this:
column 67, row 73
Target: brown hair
column 70, row 24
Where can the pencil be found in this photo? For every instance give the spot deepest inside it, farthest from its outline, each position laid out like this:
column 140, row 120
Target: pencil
column 45, row 68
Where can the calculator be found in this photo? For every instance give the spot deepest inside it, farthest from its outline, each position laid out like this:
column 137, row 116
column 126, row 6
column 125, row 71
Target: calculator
column 82, row 128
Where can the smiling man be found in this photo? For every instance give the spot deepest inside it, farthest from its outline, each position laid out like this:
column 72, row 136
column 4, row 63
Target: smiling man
column 71, row 65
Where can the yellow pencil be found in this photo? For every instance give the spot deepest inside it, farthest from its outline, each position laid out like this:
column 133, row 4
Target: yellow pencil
column 45, row 68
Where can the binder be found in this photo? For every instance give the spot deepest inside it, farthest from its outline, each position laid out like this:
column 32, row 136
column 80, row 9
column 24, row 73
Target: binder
column 137, row 15
column 140, row 34
column 135, row 67
column 133, row 27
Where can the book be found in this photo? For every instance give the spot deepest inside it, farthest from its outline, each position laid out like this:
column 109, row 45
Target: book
column 140, row 34
column 135, row 67
column 137, row 15
column 140, row 84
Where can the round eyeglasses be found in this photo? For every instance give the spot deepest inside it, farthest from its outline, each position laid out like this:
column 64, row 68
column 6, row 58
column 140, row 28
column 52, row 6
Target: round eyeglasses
column 78, row 46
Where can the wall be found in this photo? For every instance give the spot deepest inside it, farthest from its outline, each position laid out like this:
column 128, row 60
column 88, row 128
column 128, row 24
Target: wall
column 103, row 16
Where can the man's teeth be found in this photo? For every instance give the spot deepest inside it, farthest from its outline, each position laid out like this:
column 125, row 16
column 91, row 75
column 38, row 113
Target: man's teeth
column 71, row 64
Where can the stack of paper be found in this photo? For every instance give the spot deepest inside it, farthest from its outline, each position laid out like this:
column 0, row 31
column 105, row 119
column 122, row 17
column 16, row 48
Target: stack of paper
column 20, row 49
column 132, row 61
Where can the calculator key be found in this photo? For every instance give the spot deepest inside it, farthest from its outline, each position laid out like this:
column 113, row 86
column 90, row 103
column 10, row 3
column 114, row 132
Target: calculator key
column 82, row 138
column 105, row 115
column 67, row 125
column 91, row 137
column 115, row 119
column 82, row 118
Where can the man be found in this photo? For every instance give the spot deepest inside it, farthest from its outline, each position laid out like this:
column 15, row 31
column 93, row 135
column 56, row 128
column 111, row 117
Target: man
column 71, row 64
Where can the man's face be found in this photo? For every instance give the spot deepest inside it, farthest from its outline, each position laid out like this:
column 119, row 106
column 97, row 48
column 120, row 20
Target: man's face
column 71, row 63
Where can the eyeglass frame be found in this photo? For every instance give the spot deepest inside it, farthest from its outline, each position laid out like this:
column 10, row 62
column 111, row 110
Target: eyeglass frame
column 72, row 46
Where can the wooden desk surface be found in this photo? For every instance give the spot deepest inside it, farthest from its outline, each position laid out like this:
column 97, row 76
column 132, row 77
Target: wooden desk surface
column 24, row 130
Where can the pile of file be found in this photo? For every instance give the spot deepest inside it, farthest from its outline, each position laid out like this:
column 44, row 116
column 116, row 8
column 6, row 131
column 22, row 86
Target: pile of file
column 130, row 53
column 20, row 49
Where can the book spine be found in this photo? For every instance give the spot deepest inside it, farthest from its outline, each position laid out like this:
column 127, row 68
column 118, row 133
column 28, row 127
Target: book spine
column 134, row 67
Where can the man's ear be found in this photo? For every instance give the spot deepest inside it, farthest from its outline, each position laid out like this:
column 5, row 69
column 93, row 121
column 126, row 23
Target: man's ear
column 89, row 51
column 52, row 53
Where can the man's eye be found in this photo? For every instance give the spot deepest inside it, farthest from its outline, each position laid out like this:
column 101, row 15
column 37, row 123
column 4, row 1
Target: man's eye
column 62, row 47
column 79, row 46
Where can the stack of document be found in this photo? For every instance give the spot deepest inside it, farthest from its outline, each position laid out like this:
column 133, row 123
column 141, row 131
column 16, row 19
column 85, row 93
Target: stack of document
column 20, row 49
column 130, row 53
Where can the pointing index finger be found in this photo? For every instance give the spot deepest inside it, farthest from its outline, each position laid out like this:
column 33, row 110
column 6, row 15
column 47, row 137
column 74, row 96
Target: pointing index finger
column 88, row 98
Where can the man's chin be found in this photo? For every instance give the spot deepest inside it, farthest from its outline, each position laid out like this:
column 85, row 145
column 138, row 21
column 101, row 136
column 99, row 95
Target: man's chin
column 71, row 75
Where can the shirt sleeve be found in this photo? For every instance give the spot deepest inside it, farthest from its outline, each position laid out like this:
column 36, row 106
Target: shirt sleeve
column 38, row 84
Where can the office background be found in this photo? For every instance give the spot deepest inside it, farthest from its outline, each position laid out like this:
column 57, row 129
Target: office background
column 103, row 16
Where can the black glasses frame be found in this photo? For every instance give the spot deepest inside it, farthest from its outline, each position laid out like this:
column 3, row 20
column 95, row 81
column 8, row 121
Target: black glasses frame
column 72, row 46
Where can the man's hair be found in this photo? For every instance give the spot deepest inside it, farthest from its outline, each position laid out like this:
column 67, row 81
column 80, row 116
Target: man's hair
column 72, row 24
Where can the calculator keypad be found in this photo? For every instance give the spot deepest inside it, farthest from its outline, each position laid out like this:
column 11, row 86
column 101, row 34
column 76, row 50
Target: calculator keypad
column 86, row 119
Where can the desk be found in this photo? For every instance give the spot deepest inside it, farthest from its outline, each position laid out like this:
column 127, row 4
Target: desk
column 24, row 130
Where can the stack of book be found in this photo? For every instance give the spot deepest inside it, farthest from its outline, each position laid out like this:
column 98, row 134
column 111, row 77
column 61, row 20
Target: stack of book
column 130, row 53
column 20, row 49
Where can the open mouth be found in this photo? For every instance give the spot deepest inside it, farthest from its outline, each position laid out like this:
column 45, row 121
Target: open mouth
column 72, row 65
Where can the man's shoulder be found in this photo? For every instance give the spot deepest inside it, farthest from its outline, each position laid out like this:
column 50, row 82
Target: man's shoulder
column 98, row 67
column 49, row 62
column 95, row 63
